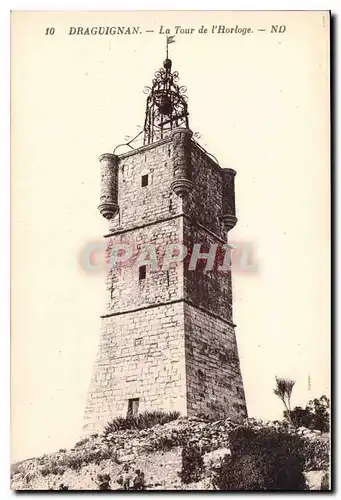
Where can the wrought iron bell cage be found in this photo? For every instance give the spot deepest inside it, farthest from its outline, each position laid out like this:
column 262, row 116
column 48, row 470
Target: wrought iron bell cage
column 166, row 107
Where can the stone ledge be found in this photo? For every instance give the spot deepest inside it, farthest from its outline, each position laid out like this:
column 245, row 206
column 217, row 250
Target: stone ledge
column 175, row 301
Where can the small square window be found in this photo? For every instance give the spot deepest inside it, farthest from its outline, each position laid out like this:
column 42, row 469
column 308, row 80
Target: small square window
column 142, row 273
column 144, row 180
column 133, row 407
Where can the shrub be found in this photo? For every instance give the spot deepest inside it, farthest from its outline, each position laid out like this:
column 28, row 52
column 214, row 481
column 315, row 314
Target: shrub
column 141, row 421
column 316, row 415
column 316, row 453
column 53, row 467
column 81, row 442
column 96, row 456
column 168, row 441
column 165, row 443
column 262, row 459
column 103, row 482
column 139, row 482
column 54, row 470
column 192, row 464
column 29, row 477
column 74, row 462
column 63, row 487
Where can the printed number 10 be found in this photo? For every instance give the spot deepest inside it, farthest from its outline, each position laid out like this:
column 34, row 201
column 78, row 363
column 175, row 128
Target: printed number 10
column 49, row 31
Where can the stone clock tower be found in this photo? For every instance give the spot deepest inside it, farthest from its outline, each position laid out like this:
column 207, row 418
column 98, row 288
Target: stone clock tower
column 168, row 338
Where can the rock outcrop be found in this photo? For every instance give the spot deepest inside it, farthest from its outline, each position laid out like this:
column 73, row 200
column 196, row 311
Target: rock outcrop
column 155, row 451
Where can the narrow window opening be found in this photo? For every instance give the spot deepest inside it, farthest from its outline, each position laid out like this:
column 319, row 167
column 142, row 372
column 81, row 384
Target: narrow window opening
column 144, row 180
column 142, row 273
column 133, row 407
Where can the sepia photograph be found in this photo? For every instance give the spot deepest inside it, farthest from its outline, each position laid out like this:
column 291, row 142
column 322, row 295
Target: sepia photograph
column 171, row 250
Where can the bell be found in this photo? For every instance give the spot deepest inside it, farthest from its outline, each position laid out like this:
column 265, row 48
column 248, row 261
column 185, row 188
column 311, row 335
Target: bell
column 164, row 105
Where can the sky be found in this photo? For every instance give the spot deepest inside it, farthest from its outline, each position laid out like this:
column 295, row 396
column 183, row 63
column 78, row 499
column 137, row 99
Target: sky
column 260, row 104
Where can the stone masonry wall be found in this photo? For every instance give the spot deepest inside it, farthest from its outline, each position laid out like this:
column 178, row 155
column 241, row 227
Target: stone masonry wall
column 140, row 205
column 211, row 289
column 205, row 202
column 141, row 352
column 141, row 355
column 125, row 290
column 213, row 377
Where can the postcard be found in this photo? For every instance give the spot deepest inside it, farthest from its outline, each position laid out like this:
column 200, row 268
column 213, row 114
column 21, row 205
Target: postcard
column 170, row 226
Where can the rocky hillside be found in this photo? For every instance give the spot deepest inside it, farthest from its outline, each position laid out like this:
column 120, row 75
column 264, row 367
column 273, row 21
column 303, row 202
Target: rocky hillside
column 110, row 460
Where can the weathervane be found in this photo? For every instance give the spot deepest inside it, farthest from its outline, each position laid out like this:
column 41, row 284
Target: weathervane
column 166, row 106
column 169, row 39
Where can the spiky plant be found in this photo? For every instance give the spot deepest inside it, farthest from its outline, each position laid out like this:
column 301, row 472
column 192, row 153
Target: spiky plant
column 283, row 390
column 143, row 420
